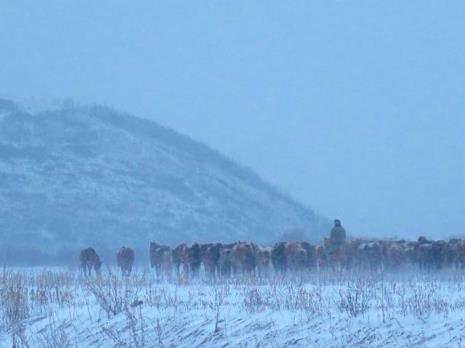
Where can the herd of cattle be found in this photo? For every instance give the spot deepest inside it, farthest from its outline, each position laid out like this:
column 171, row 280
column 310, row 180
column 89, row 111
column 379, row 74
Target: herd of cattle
column 225, row 260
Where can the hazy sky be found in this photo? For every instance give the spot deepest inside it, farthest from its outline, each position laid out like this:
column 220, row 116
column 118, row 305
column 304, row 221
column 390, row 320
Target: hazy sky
column 356, row 108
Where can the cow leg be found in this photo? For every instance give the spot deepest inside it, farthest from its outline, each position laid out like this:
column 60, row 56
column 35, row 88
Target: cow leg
column 186, row 270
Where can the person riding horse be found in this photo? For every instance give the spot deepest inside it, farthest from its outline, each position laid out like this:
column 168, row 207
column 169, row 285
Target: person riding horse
column 337, row 236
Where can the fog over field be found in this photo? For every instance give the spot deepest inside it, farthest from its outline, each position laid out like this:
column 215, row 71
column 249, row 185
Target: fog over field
column 354, row 108
column 239, row 173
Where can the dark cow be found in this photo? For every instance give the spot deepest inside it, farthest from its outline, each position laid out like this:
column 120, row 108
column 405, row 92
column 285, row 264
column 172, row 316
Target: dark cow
column 312, row 257
column 263, row 260
column 394, row 254
column 449, row 255
column 409, row 251
column 162, row 259
column 182, row 260
column 187, row 260
column 428, row 254
column 368, row 254
column 244, row 261
column 125, row 260
column 226, row 263
column 278, row 257
column 195, row 259
column 210, row 256
column 297, row 256
column 456, row 252
column 322, row 260
column 293, row 256
column 90, row 260
column 248, row 258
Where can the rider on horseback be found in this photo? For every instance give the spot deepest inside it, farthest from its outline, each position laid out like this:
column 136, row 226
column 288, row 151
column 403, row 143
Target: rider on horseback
column 338, row 233
column 337, row 236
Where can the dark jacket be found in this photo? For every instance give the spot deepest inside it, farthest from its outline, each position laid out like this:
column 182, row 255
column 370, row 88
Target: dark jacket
column 338, row 235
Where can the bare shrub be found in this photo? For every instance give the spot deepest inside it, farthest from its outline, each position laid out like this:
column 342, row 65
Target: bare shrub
column 135, row 322
column 424, row 300
column 15, row 307
column 159, row 333
column 56, row 336
column 137, row 326
column 109, row 294
column 220, row 293
column 354, row 299
column 253, row 301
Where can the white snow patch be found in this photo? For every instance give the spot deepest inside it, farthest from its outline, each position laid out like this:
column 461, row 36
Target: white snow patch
column 315, row 310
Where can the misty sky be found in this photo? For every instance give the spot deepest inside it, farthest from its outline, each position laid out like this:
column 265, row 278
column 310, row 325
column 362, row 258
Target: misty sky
column 356, row 108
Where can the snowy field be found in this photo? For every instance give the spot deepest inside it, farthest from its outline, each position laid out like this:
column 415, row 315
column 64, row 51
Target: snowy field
column 56, row 307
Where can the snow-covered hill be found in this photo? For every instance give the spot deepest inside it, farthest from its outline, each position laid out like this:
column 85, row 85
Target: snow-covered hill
column 76, row 176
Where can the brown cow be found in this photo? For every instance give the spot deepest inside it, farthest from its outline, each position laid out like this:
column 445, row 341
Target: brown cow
column 181, row 258
column 195, row 259
column 457, row 252
column 428, row 254
column 162, row 259
column 278, row 257
column 244, row 261
column 263, row 260
column 187, row 260
column 210, row 256
column 297, row 258
column 226, row 265
column 369, row 254
column 89, row 259
column 321, row 257
column 394, row 254
column 125, row 260
column 293, row 256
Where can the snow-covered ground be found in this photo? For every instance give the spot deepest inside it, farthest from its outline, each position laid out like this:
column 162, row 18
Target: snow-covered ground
column 55, row 307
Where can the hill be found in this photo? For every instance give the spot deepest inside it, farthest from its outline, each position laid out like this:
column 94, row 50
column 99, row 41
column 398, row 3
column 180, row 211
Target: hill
column 88, row 175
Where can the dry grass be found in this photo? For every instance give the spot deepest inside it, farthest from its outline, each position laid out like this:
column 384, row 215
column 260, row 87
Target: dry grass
column 130, row 312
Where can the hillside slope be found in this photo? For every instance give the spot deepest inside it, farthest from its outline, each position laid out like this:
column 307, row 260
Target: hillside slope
column 78, row 176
